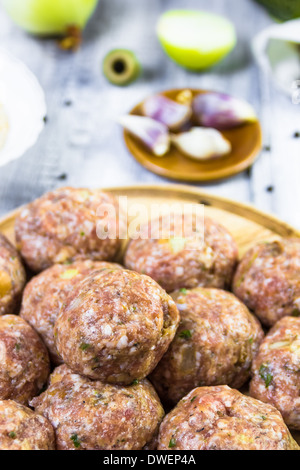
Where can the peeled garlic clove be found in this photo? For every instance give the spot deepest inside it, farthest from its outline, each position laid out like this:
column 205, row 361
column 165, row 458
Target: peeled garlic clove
column 222, row 111
column 202, row 144
column 152, row 133
column 173, row 115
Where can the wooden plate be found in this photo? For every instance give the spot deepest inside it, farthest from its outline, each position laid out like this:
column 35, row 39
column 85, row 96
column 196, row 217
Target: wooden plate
column 246, row 143
column 247, row 224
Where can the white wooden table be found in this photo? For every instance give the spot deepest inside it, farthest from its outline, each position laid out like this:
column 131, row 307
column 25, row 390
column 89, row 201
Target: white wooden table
column 82, row 145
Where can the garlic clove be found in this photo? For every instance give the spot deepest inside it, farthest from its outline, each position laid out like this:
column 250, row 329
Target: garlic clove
column 222, row 111
column 174, row 115
column 202, row 144
column 153, row 134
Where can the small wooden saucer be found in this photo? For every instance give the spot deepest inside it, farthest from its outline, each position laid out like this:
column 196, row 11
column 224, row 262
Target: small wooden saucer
column 246, row 143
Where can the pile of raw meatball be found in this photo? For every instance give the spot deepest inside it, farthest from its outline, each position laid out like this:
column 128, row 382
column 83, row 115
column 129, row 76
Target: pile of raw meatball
column 93, row 353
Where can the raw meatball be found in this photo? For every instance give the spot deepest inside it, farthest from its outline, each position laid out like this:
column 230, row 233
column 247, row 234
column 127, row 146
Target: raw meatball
column 89, row 415
column 116, row 327
column 268, row 280
column 12, row 277
column 205, row 259
column 214, row 345
column 219, row 418
column 46, row 293
column 276, row 378
column 23, row 429
column 24, row 361
column 62, row 226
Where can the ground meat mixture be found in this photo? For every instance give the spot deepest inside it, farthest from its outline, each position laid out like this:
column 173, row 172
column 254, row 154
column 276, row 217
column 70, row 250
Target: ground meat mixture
column 204, row 257
column 219, row 418
column 24, row 361
column 116, row 326
column 90, row 415
column 23, row 429
column 12, row 277
column 214, row 345
column 47, row 293
column 268, row 280
column 276, row 370
column 62, row 226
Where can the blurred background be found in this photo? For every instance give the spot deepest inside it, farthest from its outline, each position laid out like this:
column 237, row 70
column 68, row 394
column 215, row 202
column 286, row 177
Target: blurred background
column 82, row 145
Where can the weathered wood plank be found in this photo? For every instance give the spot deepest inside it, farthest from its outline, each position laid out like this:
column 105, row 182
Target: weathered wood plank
column 82, row 141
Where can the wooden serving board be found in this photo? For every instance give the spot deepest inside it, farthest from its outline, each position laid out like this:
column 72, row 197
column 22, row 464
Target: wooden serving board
column 247, row 224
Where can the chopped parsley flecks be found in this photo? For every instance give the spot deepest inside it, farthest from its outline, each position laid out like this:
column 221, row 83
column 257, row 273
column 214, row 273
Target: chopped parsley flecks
column 251, row 339
column 172, row 443
column 183, row 291
column 18, row 346
column 75, row 440
column 82, row 234
column 84, row 346
column 265, row 374
column 296, row 312
column 12, row 434
column 239, row 281
column 185, row 334
column 68, row 261
column 135, row 382
column 193, row 399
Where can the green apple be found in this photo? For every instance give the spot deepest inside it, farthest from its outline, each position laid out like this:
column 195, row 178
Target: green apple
column 46, row 17
column 195, row 40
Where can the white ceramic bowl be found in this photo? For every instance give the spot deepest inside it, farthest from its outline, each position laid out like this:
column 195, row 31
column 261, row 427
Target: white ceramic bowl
column 24, row 102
